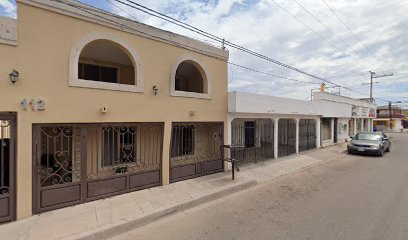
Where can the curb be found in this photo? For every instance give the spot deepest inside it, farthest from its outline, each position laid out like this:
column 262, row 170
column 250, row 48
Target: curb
column 108, row 232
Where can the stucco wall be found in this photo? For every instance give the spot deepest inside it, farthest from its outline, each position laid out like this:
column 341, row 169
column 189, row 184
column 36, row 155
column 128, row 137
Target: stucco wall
column 42, row 58
column 342, row 129
column 241, row 102
column 343, row 99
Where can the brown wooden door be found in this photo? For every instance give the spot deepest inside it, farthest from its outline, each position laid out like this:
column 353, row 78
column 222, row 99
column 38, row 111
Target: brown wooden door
column 7, row 166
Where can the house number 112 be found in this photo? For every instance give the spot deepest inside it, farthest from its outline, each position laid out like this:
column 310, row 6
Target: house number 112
column 34, row 104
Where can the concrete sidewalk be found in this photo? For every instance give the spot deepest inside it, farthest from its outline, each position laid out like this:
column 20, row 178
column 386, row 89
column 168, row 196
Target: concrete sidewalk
column 105, row 218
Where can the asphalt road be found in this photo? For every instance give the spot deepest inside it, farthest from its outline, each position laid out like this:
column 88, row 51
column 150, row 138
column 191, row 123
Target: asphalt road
column 354, row 197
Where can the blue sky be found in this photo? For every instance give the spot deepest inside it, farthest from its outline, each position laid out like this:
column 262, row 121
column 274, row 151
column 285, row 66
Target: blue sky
column 326, row 48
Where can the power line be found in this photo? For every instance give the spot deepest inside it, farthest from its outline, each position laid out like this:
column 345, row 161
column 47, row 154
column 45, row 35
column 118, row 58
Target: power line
column 349, row 29
column 107, row 20
column 238, row 65
column 372, row 76
column 271, row 74
column 304, row 24
column 327, row 28
column 204, row 33
column 231, row 63
column 130, row 15
column 121, row 9
column 209, row 35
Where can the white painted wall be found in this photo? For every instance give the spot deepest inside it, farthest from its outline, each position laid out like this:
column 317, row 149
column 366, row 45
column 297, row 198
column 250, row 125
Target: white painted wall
column 342, row 99
column 342, row 129
column 240, row 102
column 254, row 106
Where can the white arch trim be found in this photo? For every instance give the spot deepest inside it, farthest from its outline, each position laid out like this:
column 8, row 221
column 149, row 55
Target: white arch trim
column 204, row 72
column 134, row 57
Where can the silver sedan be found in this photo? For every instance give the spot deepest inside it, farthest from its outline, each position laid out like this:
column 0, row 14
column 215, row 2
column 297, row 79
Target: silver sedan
column 369, row 143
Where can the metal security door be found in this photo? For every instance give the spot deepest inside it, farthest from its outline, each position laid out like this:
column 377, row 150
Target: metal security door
column 77, row 163
column 7, row 166
column 250, row 134
column 58, row 172
column 195, row 150
column 311, row 134
column 307, row 134
column 257, row 144
column 286, row 137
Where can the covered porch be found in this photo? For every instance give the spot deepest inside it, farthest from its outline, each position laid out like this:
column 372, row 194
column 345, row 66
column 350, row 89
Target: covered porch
column 258, row 138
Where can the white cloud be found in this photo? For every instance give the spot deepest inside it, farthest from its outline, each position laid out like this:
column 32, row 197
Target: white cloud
column 8, row 7
column 262, row 26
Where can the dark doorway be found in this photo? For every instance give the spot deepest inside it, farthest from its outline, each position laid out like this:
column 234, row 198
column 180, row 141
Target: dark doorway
column 257, row 139
column 286, row 137
column 7, row 166
column 335, row 130
column 307, row 134
column 249, row 134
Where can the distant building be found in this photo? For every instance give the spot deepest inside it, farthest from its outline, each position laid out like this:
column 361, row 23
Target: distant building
column 394, row 115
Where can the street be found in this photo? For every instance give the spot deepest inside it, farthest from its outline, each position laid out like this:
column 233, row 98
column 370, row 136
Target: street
column 354, row 197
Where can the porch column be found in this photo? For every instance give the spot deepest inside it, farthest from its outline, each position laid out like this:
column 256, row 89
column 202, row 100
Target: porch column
column 369, row 128
column 275, row 137
column 366, row 128
column 297, row 135
column 228, row 141
column 362, row 124
column 318, row 132
column 348, row 127
column 166, row 153
column 332, row 129
column 229, row 130
column 355, row 126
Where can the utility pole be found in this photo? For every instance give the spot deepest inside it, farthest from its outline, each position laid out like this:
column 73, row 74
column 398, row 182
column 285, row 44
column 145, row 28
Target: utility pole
column 390, row 115
column 372, row 76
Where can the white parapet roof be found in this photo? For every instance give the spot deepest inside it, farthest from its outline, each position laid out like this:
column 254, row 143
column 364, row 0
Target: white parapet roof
column 317, row 96
column 241, row 102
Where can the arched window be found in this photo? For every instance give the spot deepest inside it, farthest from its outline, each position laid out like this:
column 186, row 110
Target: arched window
column 189, row 79
column 105, row 61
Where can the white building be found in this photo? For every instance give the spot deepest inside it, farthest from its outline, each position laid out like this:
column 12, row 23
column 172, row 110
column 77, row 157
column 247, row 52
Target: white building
column 354, row 116
column 270, row 127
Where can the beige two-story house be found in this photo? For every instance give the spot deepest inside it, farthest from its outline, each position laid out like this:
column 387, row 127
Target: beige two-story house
column 94, row 105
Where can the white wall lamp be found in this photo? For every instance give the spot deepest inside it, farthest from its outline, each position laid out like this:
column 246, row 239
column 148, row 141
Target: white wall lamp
column 155, row 90
column 14, row 76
